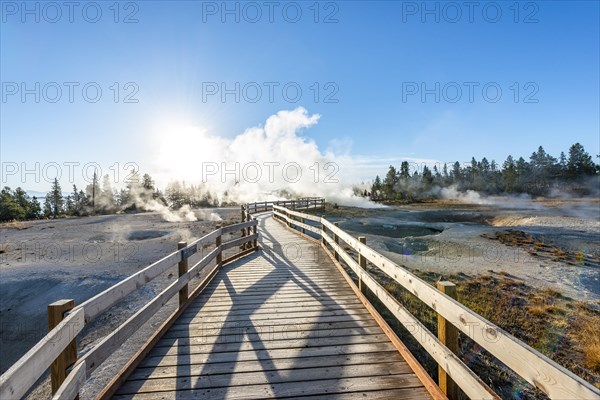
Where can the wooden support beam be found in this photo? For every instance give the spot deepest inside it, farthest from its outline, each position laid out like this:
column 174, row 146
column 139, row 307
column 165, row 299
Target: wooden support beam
column 183, row 269
column 337, row 241
column 255, row 232
column 448, row 335
column 243, row 213
column 362, row 262
column 302, row 220
column 66, row 359
column 243, row 220
column 220, row 255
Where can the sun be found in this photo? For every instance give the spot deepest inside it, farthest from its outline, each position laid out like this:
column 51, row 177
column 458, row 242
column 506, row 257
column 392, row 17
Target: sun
column 181, row 148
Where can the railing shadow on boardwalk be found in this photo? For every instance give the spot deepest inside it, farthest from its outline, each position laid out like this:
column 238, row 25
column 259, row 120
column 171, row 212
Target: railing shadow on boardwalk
column 243, row 326
column 182, row 345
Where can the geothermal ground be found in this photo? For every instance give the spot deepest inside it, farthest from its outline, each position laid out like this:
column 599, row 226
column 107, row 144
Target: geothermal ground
column 76, row 258
column 547, row 244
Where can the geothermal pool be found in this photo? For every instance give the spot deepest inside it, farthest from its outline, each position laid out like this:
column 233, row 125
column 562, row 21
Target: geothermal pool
column 546, row 243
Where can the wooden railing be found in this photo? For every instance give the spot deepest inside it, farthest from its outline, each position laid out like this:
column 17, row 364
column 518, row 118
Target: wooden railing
column 58, row 348
column 552, row 379
column 304, row 203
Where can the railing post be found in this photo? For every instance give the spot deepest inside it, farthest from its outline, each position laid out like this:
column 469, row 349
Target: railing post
column 323, row 231
column 183, row 269
column 302, row 220
column 245, row 231
column 220, row 254
column 362, row 262
column 243, row 220
column 337, row 241
column 58, row 370
column 254, row 231
column 448, row 335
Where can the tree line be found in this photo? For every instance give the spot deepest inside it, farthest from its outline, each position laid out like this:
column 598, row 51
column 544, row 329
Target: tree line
column 139, row 194
column 539, row 176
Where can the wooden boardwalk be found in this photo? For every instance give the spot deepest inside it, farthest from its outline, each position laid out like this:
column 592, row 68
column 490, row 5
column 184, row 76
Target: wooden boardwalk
column 284, row 322
column 281, row 323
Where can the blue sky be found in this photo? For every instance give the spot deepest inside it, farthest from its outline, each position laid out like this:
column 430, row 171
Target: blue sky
column 366, row 58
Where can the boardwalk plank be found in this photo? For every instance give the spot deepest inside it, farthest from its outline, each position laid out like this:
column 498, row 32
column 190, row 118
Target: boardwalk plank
column 275, row 364
column 293, row 332
column 266, row 354
column 277, row 309
column 251, row 303
column 275, row 325
column 289, row 389
column 271, row 327
column 217, row 344
column 263, row 377
column 315, row 315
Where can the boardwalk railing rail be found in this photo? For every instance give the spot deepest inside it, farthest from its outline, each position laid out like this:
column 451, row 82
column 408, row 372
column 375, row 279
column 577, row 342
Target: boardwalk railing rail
column 303, row 203
column 554, row 380
column 58, row 348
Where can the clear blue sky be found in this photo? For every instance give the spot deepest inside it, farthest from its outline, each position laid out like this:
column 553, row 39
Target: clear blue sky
column 371, row 56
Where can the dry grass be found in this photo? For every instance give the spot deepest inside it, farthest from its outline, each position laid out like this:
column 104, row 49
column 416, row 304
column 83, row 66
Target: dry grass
column 561, row 328
column 17, row 225
column 588, row 337
column 545, row 251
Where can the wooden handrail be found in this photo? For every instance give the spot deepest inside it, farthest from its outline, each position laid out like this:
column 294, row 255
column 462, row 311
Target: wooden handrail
column 15, row 382
column 554, row 380
column 19, row 378
column 471, row 384
column 302, row 203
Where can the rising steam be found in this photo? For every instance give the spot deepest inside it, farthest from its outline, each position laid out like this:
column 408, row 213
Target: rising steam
column 142, row 199
column 263, row 163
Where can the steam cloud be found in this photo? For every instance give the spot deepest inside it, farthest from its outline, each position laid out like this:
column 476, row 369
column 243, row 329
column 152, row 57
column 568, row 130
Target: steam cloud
column 142, row 199
column 264, row 163
column 522, row 200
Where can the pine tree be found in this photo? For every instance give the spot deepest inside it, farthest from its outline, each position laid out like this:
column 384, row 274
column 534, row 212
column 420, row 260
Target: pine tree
column 47, row 207
column 580, row 162
column 456, row 172
column 148, row 182
column 509, row 174
column 84, row 203
column 391, row 178
column 404, row 170
column 77, row 206
column 21, row 198
column 56, row 199
column 375, row 188
column 9, row 206
column 69, row 205
column 35, row 209
column 427, row 178
column 561, row 167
